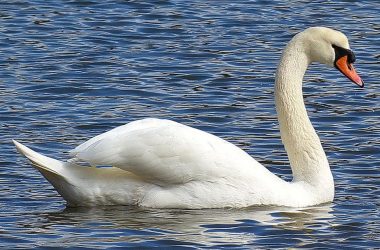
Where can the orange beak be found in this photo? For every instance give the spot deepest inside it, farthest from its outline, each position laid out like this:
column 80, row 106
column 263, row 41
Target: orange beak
column 348, row 70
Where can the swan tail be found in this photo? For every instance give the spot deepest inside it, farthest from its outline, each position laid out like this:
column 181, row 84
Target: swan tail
column 46, row 165
column 84, row 186
column 55, row 171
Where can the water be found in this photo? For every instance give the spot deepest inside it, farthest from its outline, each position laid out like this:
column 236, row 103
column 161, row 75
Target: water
column 74, row 69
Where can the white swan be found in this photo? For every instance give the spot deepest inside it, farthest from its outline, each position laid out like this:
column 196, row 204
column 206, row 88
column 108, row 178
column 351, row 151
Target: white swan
column 164, row 164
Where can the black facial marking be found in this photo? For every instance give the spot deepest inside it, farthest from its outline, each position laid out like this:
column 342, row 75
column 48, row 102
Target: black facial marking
column 340, row 52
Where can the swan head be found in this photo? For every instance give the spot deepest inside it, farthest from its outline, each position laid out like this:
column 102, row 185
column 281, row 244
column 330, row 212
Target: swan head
column 331, row 47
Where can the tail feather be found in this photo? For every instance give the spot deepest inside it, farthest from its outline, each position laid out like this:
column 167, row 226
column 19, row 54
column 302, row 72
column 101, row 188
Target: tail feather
column 56, row 172
column 84, row 186
column 41, row 162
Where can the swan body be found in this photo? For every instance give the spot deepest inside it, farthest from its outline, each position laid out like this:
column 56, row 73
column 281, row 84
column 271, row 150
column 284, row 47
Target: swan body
column 163, row 164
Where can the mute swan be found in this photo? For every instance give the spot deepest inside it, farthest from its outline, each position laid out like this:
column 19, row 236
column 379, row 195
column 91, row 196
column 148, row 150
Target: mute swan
column 163, row 164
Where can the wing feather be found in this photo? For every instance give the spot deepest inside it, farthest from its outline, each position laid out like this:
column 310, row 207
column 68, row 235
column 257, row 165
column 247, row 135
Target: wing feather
column 165, row 152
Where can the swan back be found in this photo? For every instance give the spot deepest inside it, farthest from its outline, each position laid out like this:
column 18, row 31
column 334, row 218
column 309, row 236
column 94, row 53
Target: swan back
column 166, row 153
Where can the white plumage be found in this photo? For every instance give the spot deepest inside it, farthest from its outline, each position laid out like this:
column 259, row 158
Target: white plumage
column 164, row 164
column 165, row 152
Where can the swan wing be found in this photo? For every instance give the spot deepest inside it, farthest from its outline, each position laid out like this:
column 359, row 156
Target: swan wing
column 166, row 152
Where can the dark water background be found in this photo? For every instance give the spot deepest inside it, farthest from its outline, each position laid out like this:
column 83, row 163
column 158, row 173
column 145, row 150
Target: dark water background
column 73, row 69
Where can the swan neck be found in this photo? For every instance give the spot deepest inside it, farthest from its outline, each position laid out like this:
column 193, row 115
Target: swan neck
column 306, row 155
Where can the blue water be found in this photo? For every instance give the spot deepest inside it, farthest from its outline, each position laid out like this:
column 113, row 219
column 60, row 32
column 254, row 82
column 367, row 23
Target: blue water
column 73, row 69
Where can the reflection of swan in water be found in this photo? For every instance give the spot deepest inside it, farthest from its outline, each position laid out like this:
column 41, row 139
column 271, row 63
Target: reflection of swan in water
column 163, row 164
column 196, row 227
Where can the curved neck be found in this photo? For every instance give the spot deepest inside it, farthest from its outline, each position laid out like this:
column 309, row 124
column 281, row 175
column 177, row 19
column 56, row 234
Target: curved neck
column 307, row 158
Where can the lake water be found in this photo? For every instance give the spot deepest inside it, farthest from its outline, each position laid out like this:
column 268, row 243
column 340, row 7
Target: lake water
column 73, row 69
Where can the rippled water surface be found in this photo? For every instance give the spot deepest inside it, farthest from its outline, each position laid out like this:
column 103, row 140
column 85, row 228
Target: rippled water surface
column 74, row 69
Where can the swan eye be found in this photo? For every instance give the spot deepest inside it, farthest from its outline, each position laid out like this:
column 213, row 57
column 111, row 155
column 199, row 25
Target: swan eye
column 340, row 52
